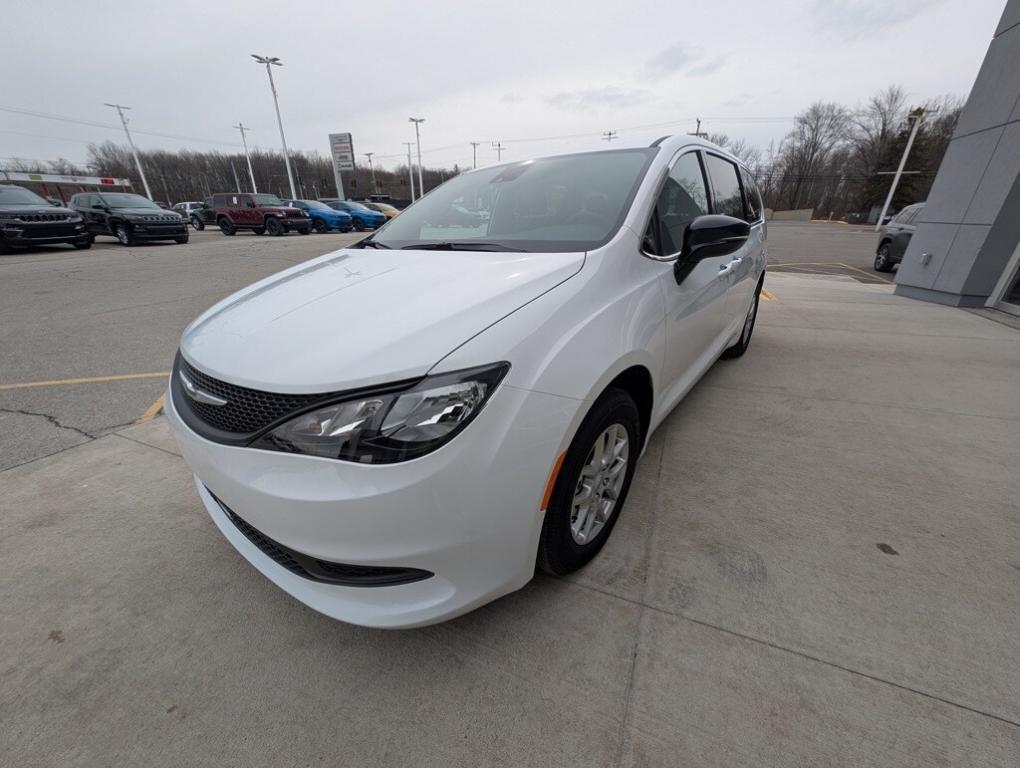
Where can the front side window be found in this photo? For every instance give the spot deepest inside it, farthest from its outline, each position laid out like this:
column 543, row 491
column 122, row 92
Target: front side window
column 683, row 198
column 727, row 197
column 553, row 204
column 754, row 206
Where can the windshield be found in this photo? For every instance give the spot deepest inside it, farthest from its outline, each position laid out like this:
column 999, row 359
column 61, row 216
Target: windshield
column 267, row 200
column 315, row 205
column 357, row 206
column 19, row 196
column 566, row 203
column 126, row 200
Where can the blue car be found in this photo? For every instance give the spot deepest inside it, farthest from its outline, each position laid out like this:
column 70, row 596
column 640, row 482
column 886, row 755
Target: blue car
column 323, row 217
column 364, row 217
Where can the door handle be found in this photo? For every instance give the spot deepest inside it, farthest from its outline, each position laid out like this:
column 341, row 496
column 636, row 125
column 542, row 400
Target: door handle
column 726, row 269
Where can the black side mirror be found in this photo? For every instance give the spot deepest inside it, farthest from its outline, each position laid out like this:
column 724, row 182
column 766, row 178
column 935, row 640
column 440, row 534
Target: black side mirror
column 708, row 237
column 56, row 203
column 99, row 207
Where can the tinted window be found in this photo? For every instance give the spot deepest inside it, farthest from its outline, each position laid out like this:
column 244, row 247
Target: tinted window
column 559, row 204
column 124, row 200
column 751, row 195
column 682, row 199
column 726, row 195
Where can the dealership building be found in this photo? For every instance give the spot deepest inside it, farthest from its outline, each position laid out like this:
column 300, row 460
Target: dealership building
column 966, row 249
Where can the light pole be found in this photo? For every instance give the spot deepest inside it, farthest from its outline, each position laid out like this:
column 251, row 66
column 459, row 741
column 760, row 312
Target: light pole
column 134, row 152
column 242, row 129
column 917, row 116
column 417, row 137
column 375, row 187
column 270, row 62
column 410, row 168
column 474, row 153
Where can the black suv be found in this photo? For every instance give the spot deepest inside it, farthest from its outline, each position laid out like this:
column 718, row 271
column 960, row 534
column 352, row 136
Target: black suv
column 129, row 218
column 27, row 219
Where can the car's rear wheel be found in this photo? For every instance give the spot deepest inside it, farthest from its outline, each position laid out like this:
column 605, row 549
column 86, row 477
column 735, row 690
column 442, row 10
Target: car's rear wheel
column 274, row 226
column 883, row 262
column 321, row 226
column 359, row 225
column 744, row 341
column 123, row 233
column 592, row 485
column 226, row 227
column 197, row 223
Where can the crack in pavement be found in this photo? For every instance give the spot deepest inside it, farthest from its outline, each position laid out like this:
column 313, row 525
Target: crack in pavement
column 51, row 419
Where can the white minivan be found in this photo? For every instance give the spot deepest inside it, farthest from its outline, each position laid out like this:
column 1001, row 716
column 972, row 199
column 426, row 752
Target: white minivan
column 400, row 431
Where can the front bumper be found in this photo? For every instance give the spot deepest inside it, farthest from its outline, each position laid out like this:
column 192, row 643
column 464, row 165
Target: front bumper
column 468, row 513
column 296, row 225
column 48, row 233
column 160, row 231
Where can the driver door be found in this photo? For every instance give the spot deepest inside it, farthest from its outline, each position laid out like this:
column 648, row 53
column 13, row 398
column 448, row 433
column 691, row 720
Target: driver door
column 695, row 297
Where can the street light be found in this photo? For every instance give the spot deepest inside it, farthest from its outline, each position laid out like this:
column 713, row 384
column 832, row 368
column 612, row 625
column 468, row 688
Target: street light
column 134, row 152
column 270, row 62
column 375, row 187
column 417, row 138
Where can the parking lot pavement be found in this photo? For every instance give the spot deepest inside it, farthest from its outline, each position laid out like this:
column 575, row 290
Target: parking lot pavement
column 817, row 566
column 825, row 248
column 108, row 312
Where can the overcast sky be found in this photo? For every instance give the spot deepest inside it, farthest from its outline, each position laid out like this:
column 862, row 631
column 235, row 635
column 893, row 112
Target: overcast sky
column 513, row 72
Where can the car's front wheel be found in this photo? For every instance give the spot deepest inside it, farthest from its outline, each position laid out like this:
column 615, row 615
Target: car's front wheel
column 197, row 223
column 592, row 484
column 274, row 226
column 359, row 225
column 124, row 234
column 321, row 226
column 226, row 227
column 883, row 262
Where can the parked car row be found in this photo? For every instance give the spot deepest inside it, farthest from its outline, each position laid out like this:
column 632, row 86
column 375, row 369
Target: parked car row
column 27, row 219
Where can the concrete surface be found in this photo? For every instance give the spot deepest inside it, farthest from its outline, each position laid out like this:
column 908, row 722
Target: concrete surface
column 823, row 248
column 818, row 566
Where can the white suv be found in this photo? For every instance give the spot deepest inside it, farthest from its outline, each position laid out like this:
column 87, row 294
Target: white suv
column 398, row 432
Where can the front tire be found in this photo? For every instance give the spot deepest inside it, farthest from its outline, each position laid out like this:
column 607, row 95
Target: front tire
column 274, row 227
column 321, row 226
column 592, row 485
column 883, row 263
column 226, row 227
column 197, row 223
column 359, row 225
column 124, row 234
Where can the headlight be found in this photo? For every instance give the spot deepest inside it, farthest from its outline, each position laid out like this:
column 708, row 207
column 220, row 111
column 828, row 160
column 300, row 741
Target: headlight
column 390, row 427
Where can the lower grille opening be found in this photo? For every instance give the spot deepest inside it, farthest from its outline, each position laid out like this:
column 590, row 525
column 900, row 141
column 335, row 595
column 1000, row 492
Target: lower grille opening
column 325, row 571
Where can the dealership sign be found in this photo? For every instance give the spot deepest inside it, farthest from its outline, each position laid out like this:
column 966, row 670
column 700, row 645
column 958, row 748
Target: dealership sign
column 59, row 178
column 343, row 151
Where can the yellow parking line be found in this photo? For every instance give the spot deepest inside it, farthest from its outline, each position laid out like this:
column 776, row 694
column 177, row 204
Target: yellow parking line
column 151, row 412
column 89, row 380
column 767, row 295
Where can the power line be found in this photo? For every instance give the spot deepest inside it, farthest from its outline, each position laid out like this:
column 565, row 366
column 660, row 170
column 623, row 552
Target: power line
column 609, row 136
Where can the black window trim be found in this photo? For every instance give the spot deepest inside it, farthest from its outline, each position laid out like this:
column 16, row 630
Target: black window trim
column 740, row 180
column 688, row 149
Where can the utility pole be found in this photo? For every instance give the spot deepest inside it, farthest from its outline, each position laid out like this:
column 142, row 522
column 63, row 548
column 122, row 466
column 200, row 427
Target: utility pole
column 410, row 168
column 270, row 62
column 237, row 180
column 417, row 137
column 917, row 116
column 609, row 135
column 474, row 153
column 240, row 126
column 375, row 187
column 134, row 152
column 498, row 146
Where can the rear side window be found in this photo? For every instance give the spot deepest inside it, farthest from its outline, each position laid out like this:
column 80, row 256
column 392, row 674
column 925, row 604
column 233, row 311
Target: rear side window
column 727, row 197
column 751, row 196
column 683, row 198
column 219, row 201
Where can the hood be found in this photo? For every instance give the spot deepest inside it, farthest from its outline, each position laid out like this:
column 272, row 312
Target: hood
column 35, row 209
column 361, row 317
column 143, row 212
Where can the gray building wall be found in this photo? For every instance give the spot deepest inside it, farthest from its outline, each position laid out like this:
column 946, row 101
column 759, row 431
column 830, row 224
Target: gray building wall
column 971, row 224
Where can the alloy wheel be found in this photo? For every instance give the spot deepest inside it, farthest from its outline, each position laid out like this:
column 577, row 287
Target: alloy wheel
column 598, row 488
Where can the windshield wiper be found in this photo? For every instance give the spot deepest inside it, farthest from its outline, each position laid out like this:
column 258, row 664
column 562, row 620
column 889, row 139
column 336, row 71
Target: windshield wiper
column 369, row 243
column 461, row 246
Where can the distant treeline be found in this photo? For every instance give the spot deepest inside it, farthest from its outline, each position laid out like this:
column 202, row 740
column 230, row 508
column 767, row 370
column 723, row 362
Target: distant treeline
column 835, row 160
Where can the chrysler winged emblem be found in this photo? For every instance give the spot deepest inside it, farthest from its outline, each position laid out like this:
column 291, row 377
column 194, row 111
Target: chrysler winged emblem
column 199, row 395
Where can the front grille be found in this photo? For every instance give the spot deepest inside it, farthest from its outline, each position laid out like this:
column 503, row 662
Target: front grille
column 28, row 217
column 322, row 570
column 159, row 217
column 247, row 410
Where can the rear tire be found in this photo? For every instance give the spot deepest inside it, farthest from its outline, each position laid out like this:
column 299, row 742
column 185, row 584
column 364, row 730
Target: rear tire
column 321, row 226
column 197, row 223
column 882, row 261
column 564, row 546
column 226, row 227
column 274, row 227
column 359, row 225
column 738, row 349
